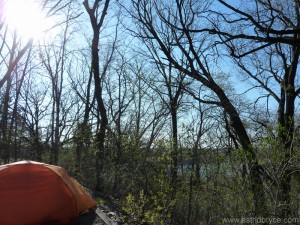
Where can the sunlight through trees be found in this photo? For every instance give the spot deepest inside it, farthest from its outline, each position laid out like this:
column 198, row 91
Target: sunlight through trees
column 184, row 112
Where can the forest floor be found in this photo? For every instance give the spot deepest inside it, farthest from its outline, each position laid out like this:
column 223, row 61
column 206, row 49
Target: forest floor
column 106, row 213
column 98, row 217
column 90, row 218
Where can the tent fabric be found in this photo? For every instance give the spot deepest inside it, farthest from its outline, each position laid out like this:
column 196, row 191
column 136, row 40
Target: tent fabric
column 33, row 193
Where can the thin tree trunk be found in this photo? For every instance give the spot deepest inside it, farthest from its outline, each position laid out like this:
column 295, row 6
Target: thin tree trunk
column 13, row 123
column 174, row 153
column 83, row 128
column 4, row 123
column 286, row 126
column 101, row 133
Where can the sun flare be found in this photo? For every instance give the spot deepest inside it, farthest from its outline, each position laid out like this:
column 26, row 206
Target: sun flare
column 26, row 18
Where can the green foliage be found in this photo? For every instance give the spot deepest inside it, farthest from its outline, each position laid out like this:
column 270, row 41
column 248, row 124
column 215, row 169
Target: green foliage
column 151, row 209
column 240, row 155
column 101, row 201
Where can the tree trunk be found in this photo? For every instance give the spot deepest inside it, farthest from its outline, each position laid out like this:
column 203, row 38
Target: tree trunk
column 174, row 152
column 4, row 123
column 83, row 128
column 101, row 133
column 102, row 110
column 239, row 128
column 286, row 128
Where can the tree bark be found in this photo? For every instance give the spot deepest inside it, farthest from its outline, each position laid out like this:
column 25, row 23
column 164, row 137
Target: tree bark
column 101, row 133
column 286, row 129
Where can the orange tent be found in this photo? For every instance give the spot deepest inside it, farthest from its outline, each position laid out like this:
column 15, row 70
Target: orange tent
column 33, row 193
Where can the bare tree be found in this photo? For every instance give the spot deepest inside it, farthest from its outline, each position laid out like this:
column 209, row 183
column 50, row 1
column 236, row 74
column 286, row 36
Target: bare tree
column 120, row 99
column 12, row 50
column 270, row 29
column 82, row 87
column 55, row 60
column 171, row 91
column 11, row 53
column 33, row 111
column 97, row 16
column 156, row 23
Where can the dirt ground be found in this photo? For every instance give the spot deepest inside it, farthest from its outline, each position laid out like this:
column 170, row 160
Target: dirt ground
column 90, row 218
